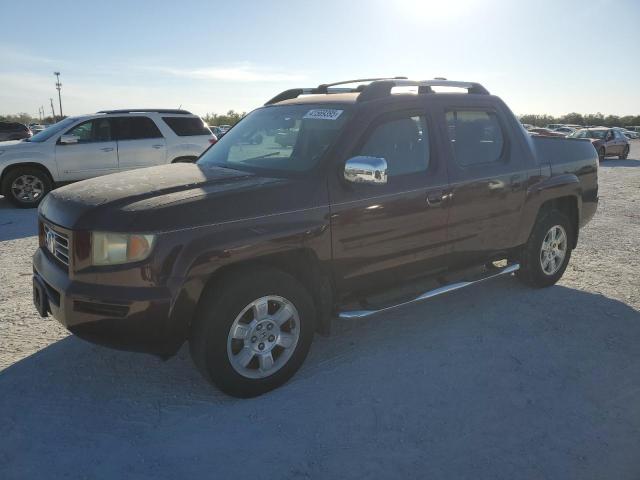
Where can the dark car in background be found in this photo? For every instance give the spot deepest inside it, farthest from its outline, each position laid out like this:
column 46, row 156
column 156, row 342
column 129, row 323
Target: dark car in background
column 13, row 131
column 608, row 142
column 545, row 132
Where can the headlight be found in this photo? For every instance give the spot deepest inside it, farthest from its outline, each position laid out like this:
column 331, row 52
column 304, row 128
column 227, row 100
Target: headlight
column 118, row 248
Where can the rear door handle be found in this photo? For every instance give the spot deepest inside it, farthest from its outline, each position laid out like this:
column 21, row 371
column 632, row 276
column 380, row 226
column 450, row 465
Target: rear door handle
column 107, row 149
column 157, row 146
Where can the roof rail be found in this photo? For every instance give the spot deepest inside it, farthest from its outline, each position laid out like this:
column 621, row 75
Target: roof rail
column 324, row 89
column 379, row 87
column 383, row 88
column 148, row 110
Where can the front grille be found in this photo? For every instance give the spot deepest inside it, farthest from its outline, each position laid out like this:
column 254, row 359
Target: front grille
column 57, row 244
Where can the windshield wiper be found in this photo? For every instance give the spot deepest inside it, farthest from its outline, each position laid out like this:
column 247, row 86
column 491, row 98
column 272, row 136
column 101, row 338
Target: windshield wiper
column 262, row 156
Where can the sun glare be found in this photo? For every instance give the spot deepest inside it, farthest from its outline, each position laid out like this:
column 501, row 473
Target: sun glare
column 425, row 10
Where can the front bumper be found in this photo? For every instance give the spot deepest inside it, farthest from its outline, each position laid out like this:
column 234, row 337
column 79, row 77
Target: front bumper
column 126, row 318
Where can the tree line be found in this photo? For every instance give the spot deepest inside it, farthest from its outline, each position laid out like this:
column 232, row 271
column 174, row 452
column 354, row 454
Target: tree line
column 573, row 118
column 232, row 117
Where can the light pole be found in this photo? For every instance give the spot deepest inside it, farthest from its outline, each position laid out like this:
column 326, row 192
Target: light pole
column 59, row 86
column 53, row 112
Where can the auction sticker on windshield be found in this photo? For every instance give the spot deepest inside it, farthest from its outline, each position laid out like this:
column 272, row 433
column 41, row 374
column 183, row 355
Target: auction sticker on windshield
column 323, row 114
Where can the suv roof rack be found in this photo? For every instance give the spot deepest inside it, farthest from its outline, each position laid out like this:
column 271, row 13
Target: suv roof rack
column 324, row 88
column 148, row 110
column 379, row 87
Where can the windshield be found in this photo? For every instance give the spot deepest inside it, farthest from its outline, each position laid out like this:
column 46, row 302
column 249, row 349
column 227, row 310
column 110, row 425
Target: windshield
column 280, row 139
column 596, row 133
column 589, row 134
column 49, row 132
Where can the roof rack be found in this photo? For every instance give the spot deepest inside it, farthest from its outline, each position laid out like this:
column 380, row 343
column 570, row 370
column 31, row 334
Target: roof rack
column 324, row 89
column 148, row 110
column 378, row 88
column 383, row 88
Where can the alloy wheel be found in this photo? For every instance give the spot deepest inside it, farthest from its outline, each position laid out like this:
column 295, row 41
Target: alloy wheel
column 553, row 250
column 27, row 188
column 263, row 337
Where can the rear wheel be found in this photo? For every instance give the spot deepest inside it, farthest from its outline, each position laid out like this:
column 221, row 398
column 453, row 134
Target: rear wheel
column 25, row 187
column 252, row 331
column 601, row 154
column 625, row 153
column 546, row 255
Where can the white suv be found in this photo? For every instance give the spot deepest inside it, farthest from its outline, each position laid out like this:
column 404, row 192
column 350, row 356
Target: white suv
column 109, row 141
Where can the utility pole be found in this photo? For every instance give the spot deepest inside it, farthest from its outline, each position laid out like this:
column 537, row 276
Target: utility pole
column 53, row 112
column 59, row 86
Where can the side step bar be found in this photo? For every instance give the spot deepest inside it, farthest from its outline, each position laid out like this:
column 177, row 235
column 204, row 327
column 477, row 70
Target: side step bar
column 432, row 293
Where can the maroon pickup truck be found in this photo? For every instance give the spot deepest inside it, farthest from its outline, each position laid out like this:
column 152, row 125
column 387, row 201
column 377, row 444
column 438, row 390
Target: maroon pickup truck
column 384, row 194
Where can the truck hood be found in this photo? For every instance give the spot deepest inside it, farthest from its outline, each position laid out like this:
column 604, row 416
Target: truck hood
column 166, row 198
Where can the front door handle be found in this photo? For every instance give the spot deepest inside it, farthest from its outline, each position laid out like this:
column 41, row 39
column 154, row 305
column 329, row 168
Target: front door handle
column 157, row 146
column 435, row 199
column 107, row 149
column 516, row 182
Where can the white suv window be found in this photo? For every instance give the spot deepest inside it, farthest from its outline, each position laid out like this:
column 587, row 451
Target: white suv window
column 96, row 130
column 187, row 126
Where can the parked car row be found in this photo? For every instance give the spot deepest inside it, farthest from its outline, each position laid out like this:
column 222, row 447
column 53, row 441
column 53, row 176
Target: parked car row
column 557, row 129
column 219, row 131
column 86, row 146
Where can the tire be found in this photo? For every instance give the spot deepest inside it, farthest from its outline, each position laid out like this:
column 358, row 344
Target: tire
column 601, row 154
column 625, row 153
column 35, row 184
column 533, row 270
column 219, row 357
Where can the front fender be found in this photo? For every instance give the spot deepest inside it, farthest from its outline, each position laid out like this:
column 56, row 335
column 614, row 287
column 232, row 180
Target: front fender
column 202, row 251
column 9, row 158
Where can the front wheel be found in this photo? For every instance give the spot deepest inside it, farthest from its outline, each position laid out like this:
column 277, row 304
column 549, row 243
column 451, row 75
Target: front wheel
column 26, row 187
column 253, row 331
column 546, row 254
column 625, row 153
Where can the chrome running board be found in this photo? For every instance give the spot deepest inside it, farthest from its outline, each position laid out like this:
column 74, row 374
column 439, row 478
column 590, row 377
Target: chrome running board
column 432, row 293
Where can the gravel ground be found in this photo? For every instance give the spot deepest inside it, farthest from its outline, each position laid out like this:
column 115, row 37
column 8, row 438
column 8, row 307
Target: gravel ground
column 498, row 381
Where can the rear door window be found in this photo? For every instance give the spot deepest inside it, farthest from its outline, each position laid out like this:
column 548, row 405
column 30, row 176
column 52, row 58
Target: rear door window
column 187, row 126
column 136, row 128
column 476, row 136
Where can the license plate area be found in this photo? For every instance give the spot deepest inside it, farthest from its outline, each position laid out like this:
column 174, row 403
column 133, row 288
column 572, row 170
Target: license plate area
column 40, row 298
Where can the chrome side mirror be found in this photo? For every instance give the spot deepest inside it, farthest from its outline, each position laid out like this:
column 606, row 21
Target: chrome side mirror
column 363, row 169
column 68, row 139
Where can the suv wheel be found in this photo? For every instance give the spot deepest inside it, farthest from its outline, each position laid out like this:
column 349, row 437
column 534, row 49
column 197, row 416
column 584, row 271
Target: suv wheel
column 26, row 187
column 253, row 331
column 546, row 255
column 625, row 153
column 601, row 154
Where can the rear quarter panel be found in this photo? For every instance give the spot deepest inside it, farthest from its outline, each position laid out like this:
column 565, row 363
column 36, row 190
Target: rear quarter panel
column 569, row 168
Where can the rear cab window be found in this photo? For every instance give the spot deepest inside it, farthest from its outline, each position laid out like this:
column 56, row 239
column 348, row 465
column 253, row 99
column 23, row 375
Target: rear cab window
column 187, row 126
